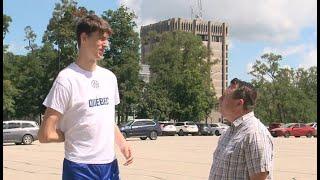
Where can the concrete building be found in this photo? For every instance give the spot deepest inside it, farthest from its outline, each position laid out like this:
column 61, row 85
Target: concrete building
column 144, row 72
column 214, row 36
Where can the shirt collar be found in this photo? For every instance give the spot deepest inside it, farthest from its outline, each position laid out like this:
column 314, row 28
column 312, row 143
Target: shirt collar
column 241, row 119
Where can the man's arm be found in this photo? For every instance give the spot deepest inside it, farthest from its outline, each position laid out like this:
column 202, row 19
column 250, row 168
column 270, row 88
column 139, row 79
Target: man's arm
column 48, row 131
column 259, row 176
column 123, row 145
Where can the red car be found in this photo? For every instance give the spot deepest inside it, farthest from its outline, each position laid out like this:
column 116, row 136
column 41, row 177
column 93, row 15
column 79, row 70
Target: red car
column 293, row 129
column 274, row 125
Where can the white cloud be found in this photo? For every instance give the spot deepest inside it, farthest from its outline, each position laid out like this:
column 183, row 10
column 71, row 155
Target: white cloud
column 18, row 49
column 286, row 66
column 309, row 59
column 287, row 51
column 249, row 67
column 263, row 20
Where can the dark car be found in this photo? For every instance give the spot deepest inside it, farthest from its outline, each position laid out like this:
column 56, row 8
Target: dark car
column 204, row 129
column 142, row 128
column 293, row 129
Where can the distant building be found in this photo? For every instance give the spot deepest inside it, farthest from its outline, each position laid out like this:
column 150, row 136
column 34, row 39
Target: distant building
column 144, row 72
column 214, row 36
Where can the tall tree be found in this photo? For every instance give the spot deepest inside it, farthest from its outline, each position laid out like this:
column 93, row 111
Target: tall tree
column 30, row 36
column 6, row 23
column 122, row 58
column 180, row 86
column 61, row 32
column 285, row 95
column 9, row 72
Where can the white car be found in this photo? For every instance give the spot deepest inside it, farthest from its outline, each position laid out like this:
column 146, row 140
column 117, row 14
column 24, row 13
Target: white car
column 314, row 125
column 218, row 128
column 168, row 128
column 187, row 127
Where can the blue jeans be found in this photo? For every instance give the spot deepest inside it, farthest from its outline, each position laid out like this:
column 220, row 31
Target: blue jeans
column 81, row 171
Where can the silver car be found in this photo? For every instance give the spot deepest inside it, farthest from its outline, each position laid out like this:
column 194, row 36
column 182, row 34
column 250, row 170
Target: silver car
column 218, row 128
column 20, row 131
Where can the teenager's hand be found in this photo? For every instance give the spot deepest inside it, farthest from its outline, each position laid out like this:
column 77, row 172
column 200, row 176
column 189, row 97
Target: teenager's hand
column 127, row 153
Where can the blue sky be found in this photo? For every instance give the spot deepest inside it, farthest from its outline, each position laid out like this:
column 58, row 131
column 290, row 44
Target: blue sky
column 286, row 27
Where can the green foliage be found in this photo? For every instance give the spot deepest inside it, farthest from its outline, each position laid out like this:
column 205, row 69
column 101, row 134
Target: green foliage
column 180, row 87
column 285, row 95
column 6, row 22
column 122, row 58
column 30, row 37
column 61, row 32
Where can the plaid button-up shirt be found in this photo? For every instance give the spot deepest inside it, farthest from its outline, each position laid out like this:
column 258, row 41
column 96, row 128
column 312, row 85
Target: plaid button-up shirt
column 245, row 149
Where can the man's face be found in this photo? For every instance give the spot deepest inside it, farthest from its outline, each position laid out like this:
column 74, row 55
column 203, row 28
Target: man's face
column 227, row 105
column 95, row 45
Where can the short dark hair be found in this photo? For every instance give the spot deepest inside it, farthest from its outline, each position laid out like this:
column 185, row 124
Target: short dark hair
column 92, row 23
column 245, row 91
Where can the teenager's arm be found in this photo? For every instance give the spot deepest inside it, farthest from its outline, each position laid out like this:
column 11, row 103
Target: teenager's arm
column 123, row 145
column 48, row 131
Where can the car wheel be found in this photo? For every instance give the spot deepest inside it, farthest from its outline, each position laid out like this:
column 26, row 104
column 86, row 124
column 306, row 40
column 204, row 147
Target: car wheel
column 286, row 135
column 143, row 138
column 180, row 133
column 217, row 133
column 124, row 135
column 27, row 139
column 309, row 135
column 153, row 135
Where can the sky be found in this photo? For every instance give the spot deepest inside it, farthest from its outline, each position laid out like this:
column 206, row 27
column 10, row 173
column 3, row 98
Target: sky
column 285, row 27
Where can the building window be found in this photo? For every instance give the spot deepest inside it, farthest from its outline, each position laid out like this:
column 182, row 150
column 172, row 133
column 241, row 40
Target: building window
column 226, row 30
column 226, row 62
column 227, row 69
column 227, row 47
column 226, row 79
column 226, row 55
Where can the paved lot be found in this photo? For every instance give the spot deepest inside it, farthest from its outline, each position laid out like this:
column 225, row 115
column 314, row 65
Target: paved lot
column 168, row 158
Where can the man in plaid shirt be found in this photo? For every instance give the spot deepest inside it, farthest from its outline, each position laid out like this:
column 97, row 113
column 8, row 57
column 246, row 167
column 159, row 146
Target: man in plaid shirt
column 245, row 150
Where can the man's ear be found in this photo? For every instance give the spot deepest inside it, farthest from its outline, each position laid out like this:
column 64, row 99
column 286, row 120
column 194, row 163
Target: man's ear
column 83, row 37
column 241, row 102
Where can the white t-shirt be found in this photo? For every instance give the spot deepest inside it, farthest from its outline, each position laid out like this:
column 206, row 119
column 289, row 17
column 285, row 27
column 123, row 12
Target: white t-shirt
column 87, row 102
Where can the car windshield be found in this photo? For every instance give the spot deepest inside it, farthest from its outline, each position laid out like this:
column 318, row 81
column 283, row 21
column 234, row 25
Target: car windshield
column 128, row 123
column 288, row 125
column 223, row 125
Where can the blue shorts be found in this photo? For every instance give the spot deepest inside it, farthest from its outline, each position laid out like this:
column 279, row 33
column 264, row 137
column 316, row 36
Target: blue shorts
column 81, row 171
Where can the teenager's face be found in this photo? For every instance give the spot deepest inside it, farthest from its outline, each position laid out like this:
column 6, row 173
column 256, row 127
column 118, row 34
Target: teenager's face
column 95, row 44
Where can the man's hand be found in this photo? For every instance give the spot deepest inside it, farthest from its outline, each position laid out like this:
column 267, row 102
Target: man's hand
column 127, row 153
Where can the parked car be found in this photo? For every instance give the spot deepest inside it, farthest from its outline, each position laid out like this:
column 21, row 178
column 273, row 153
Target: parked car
column 204, row 129
column 218, row 128
column 142, row 128
column 187, row 127
column 293, row 129
column 20, row 131
column 168, row 128
column 314, row 125
column 275, row 125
